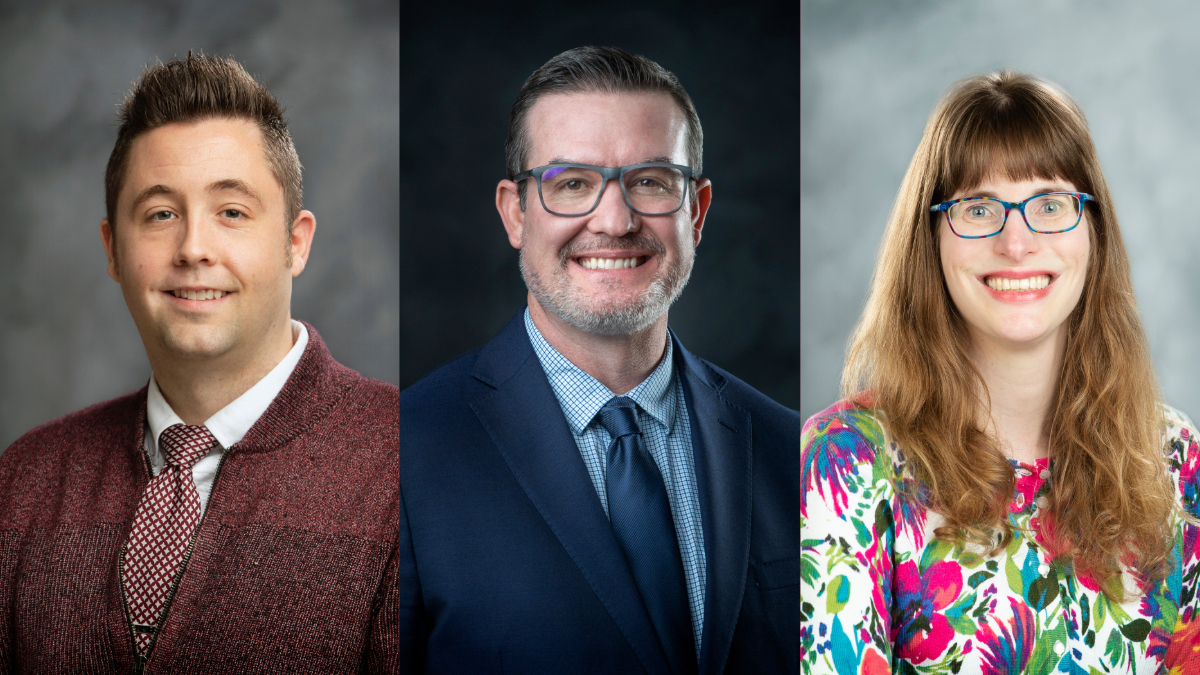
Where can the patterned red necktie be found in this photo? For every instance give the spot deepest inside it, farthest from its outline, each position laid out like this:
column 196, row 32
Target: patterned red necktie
column 163, row 525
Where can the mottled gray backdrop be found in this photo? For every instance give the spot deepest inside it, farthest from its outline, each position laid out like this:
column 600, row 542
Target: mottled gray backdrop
column 870, row 75
column 66, row 338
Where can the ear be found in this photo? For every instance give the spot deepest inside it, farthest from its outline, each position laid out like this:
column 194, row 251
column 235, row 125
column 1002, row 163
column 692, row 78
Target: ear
column 110, row 250
column 700, row 208
column 508, row 203
column 303, row 228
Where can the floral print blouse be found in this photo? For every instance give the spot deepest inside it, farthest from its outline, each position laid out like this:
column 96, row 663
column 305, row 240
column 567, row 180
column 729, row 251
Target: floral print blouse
column 879, row 594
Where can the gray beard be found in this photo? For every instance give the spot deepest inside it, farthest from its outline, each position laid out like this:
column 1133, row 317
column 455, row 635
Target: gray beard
column 562, row 299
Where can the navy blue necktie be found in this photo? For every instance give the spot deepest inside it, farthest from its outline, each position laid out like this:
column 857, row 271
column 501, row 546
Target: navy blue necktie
column 641, row 519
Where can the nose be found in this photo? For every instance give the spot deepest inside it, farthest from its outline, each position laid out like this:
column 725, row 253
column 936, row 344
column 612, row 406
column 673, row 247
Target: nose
column 1016, row 240
column 612, row 215
column 195, row 246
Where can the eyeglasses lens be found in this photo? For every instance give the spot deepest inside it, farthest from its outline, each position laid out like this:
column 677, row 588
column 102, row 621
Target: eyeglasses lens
column 572, row 191
column 1046, row 213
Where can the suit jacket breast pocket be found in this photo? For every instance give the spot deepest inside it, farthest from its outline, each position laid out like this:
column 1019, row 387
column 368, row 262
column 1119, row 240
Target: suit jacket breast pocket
column 779, row 589
column 767, row 637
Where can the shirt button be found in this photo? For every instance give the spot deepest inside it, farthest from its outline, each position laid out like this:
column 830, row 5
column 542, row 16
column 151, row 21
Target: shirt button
column 1059, row 648
column 1041, row 502
column 1045, row 474
column 1043, row 569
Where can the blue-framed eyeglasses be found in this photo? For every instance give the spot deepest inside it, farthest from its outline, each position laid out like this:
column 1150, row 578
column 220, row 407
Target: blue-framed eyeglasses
column 981, row 217
column 651, row 189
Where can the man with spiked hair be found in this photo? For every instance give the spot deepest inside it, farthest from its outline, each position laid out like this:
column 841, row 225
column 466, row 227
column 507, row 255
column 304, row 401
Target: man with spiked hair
column 238, row 513
column 582, row 494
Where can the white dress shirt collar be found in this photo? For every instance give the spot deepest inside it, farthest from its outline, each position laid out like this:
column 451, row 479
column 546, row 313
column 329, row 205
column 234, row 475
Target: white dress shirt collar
column 229, row 424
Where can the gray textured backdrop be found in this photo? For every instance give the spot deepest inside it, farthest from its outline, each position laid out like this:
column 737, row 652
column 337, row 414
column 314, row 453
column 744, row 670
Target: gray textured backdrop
column 870, row 76
column 66, row 338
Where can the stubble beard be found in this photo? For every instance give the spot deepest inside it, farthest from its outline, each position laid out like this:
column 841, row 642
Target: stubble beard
column 601, row 315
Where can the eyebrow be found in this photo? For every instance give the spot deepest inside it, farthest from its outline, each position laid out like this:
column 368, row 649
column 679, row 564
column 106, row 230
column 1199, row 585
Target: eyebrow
column 236, row 185
column 1041, row 189
column 149, row 192
column 653, row 160
column 228, row 184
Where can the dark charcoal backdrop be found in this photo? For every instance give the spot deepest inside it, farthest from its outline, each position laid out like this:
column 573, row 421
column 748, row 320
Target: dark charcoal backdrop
column 66, row 338
column 459, row 77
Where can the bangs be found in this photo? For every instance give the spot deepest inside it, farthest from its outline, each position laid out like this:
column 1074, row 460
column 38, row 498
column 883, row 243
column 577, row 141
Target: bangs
column 1018, row 133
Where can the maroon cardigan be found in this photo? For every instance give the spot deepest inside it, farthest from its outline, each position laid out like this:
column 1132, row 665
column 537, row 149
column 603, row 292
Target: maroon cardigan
column 294, row 565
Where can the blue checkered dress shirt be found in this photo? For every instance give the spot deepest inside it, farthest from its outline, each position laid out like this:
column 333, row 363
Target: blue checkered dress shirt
column 663, row 417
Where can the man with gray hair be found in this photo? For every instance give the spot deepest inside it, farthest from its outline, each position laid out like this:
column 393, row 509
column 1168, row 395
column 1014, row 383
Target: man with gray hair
column 582, row 494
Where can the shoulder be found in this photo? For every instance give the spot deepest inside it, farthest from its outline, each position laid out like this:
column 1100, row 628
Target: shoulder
column 844, row 429
column 1183, row 457
column 448, row 383
column 856, row 529
column 1179, row 425
column 1180, row 435
column 106, row 426
column 321, row 387
column 451, row 387
column 91, row 423
column 366, row 411
column 376, row 396
column 436, row 410
column 768, row 416
column 321, row 392
column 844, row 449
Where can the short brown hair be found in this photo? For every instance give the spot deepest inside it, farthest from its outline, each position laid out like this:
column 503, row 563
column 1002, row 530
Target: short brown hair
column 198, row 88
column 596, row 69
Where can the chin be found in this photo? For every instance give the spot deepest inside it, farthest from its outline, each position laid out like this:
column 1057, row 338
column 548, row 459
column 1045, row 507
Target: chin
column 197, row 342
column 1023, row 335
column 606, row 313
column 609, row 309
column 609, row 317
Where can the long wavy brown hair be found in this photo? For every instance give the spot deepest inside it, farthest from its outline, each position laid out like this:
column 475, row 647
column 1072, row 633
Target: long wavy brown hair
column 1110, row 499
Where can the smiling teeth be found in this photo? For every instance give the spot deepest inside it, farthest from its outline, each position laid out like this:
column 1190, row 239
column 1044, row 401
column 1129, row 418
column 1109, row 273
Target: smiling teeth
column 207, row 294
column 1026, row 284
column 609, row 263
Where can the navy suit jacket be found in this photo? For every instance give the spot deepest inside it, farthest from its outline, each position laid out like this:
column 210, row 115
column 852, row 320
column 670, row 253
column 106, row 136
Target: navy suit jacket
column 509, row 564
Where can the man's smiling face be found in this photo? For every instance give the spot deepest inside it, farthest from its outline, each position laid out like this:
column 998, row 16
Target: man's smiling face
column 201, row 248
column 611, row 271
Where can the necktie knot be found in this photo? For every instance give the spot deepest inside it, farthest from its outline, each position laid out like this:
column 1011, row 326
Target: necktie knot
column 183, row 445
column 619, row 417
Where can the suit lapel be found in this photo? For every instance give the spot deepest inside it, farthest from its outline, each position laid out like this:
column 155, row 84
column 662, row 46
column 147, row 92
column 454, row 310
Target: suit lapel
column 526, row 423
column 721, row 443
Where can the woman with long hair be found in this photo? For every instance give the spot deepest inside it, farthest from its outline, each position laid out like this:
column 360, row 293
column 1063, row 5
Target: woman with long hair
column 1002, row 488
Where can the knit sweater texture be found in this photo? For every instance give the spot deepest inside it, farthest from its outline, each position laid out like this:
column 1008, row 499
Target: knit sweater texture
column 292, row 569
